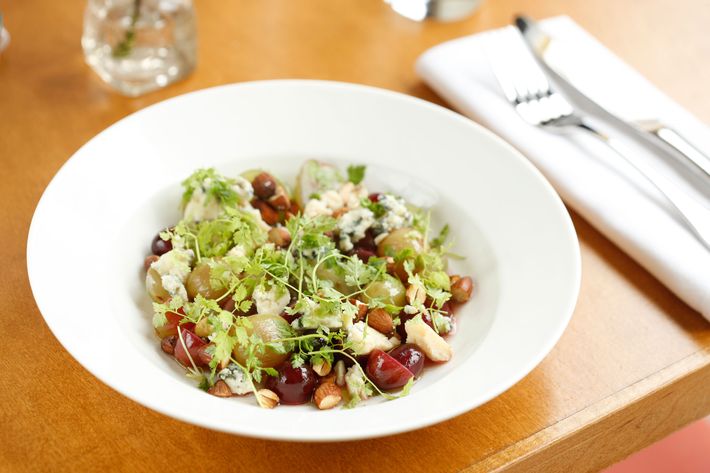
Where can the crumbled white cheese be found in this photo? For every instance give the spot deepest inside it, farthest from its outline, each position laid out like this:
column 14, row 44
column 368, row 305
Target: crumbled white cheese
column 312, row 319
column 347, row 197
column 174, row 267
column 236, row 380
column 423, row 336
column 396, row 215
column 410, row 309
column 271, row 301
column 352, row 194
column 201, row 206
column 237, row 251
column 364, row 339
column 352, row 227
column 243, row 189
column 356, row 383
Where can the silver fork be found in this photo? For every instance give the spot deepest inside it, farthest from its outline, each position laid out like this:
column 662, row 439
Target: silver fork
column 527, row 88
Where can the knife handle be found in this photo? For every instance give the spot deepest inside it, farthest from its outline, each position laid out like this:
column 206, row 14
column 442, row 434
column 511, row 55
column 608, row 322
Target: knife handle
column 695, row 157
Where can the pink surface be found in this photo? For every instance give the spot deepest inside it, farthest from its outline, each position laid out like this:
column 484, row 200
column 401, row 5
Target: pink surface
column 685, row 451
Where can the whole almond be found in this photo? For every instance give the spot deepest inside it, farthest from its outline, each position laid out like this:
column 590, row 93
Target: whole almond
column 461, row 289
column 327, row 396
column 220, row 389
column 380, row 320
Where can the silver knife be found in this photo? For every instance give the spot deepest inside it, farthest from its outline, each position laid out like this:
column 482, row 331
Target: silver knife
column 652, row 131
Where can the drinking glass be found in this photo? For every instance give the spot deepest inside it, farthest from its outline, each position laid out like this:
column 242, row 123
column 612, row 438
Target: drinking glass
column 138, row 46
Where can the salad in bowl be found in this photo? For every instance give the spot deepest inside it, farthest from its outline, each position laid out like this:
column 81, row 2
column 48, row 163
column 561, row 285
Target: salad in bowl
column 329, row 294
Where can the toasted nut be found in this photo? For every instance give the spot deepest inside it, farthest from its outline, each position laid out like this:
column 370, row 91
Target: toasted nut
column 453, row 278
column 321, row 367
column 220, row 389
column 416, row 294
column 361, row 309
column 327, row 396
column 280, row 200
column 380, row 320
column 461, row 289
column 267, row 398
column 340, row 373
column 329, row 378
column 280, row 237
column 295, row 209
column 269, row 215
column 168, row 344
column 264, row 185
column 150, row 260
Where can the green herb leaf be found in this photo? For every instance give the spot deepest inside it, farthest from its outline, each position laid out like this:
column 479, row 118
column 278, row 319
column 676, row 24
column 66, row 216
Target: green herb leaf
column 356, row 174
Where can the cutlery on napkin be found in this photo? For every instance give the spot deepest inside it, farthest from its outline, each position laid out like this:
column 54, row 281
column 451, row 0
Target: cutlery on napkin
column 603, row 189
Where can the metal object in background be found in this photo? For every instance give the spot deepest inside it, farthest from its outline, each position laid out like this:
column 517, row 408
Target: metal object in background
column 442, row 10
column 4, row 35
column 652, row 131
column 527, row 88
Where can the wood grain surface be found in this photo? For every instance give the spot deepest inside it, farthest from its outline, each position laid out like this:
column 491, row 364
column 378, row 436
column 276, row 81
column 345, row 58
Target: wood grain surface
column 633, row 365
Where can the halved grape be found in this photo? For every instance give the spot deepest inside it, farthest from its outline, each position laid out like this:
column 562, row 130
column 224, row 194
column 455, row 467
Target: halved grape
column 269, row 327
column 386, row 372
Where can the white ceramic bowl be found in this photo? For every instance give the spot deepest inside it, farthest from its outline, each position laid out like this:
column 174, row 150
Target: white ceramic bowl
column 93, row 227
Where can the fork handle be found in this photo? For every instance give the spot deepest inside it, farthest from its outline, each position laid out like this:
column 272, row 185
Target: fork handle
column 695, row 214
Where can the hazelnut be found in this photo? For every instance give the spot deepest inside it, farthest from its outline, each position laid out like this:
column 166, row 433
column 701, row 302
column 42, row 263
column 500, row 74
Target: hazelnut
column 461, row 289
column 269, row 215
column 264, row 185
column 220, row 389
column 280, row 237
column 280, row 200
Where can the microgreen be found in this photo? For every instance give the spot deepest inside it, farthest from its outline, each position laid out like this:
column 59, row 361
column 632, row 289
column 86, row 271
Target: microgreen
column 356, row 174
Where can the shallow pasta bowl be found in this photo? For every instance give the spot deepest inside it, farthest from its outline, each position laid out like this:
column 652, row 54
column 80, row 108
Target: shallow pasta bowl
column 110, row 198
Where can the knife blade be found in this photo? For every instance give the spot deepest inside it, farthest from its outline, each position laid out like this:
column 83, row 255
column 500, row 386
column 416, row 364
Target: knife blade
column 654, row 132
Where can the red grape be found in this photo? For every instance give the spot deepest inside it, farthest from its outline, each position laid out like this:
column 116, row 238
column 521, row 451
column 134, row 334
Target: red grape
column 193, row 343
column 386, row 372
column 410, row 356
column 159, row 246
column 293, row 385
column 170, row 327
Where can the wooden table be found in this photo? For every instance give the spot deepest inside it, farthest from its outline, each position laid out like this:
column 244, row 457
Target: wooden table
column 633, row 366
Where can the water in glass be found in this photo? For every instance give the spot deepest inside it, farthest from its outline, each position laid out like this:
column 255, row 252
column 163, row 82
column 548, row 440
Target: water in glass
column 140, row 45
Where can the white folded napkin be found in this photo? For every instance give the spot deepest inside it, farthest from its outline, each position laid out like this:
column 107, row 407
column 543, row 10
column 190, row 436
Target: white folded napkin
column 599, row 185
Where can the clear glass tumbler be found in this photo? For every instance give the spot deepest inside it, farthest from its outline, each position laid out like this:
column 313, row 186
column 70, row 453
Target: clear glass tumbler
column 138, row 46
